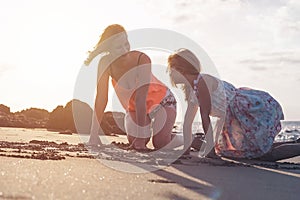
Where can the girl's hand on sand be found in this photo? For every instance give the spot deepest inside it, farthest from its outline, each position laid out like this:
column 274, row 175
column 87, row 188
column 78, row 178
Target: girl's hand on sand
column 212, row 154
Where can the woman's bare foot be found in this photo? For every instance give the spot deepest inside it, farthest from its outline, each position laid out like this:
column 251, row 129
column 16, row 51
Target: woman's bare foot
column 139, row 144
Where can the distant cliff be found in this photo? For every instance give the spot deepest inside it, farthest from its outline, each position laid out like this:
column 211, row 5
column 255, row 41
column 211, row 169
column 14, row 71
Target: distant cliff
column 75, row 117
column 29, row 118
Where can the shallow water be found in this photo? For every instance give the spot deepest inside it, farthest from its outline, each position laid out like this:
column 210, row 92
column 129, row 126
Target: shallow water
column 290, row 130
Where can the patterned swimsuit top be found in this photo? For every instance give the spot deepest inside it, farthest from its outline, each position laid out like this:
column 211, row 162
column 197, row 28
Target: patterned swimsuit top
column 220, row 97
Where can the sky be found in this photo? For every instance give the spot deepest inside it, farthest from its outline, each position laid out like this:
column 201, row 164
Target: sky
column 253, row 43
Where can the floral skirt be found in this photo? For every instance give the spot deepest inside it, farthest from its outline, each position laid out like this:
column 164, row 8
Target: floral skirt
column 251, row 124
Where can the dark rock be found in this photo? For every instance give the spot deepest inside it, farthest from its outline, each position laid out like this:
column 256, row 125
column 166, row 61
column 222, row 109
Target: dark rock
column 66, row 132
column 4, row 109
column 56, row 119
column 113, row 123
column 30, row 118
column 5, row 120
column 5, row 116
column 35, row 115
column 75, row 117
column 78, row 117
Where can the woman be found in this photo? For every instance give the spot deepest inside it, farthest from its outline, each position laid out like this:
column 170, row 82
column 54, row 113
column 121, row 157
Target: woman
column 248, row 120
column 149, row 104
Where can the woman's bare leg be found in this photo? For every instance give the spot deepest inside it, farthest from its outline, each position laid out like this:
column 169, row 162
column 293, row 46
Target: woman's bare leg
column 138, row 139
column 163, row 124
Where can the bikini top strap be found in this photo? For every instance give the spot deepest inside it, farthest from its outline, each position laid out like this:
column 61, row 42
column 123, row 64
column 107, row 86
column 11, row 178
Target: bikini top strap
column 138, row 62
column 139, row 58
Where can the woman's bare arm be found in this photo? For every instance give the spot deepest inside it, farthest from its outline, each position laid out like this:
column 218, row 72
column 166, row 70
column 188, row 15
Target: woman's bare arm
column 143, row 81
column 100, row 105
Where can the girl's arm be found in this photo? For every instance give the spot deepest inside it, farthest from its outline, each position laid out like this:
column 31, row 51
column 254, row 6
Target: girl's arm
column 205, row 109
column 189, row 117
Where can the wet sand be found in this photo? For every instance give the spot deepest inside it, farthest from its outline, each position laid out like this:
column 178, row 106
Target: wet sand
column 41, row 166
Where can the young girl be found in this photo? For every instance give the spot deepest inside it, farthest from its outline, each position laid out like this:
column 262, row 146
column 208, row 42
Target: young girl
column 248, row 120
column 149, row 104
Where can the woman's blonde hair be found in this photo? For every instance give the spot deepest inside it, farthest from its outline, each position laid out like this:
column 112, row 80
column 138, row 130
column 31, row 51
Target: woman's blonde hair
column 189, row 64
column 110, row 31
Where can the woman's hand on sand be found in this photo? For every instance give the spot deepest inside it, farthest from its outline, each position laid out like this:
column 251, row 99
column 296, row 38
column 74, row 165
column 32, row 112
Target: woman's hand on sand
column 139, row 144
column 94, row 141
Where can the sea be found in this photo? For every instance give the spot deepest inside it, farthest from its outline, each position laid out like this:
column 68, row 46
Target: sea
column 290, row 130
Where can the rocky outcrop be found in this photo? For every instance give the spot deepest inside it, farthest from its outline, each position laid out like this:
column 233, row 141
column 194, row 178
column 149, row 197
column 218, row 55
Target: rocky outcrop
column 34, row 113
column 4, row 109
column 5, row 116
column 74, row 117
column 5, row 119
column 113, row 123
column 30, row 118
column 34, row 117
column 56, row 119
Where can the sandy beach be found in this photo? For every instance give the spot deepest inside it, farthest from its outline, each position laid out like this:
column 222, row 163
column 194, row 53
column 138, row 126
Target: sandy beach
column 36, row 171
